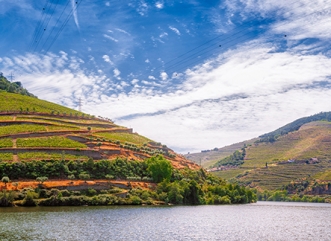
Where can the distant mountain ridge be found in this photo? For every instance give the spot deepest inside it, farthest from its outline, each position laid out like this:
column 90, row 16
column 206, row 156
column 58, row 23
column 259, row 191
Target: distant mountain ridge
column 294, row 126
column 294, row 159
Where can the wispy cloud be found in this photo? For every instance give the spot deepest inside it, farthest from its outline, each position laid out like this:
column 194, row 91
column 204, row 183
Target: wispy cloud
column 74, row 9
column 111, row 38
column 174, row 29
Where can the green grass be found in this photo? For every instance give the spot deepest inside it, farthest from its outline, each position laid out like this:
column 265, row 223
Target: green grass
column 324, row 176
column 16, row 102
column 54, row 141
column 228, row 174
column 48, row 156
column 300, row 145
column 62, row 128
column 15, row 129
column 274, row 177
column 6, row 156
column 58, row 120
column 125, row 137
column 6, row 142
column 6, row 118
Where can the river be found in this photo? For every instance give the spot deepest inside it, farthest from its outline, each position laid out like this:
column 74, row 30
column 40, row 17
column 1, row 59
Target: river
column 259, row 221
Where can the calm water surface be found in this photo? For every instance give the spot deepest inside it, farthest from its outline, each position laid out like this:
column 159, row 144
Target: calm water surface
column 260, row 221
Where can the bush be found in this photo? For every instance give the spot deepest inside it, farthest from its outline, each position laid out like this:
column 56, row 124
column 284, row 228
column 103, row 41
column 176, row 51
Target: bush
column 29, row 199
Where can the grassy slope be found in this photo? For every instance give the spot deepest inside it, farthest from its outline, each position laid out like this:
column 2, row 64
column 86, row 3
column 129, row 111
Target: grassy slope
column 312, row 140
column 210, row 158
column 16, row 102
column 36, row 124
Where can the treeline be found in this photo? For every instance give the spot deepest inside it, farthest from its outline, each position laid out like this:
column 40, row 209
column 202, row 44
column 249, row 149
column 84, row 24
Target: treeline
column 13, row 87
column 174, row 186
column 294, row 126
column 284, row 196
column 235, row 159
column 118, row 168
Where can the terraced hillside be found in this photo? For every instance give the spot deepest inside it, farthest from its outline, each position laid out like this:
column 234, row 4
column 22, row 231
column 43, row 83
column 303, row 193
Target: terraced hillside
column 34, row 135
column 300, row 155
column 51, row 155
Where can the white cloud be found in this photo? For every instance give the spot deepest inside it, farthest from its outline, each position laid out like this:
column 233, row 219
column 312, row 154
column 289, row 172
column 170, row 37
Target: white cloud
column 111, row 38
column 74, row 11
column 174, row 29
column 159, row 5
column 134, row 81
column 106, row 58
column 122, row 31
column 164, row 76
column 116, row 72
column 107, row 4
column 164, row 34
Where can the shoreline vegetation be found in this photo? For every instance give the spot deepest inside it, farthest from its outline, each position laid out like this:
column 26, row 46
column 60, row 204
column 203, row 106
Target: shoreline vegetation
column 150, row 182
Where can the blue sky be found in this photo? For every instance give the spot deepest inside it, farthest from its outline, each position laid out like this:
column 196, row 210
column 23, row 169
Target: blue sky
column 193, row 75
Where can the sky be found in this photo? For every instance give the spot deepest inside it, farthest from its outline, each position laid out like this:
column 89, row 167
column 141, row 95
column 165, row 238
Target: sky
column 191, row 74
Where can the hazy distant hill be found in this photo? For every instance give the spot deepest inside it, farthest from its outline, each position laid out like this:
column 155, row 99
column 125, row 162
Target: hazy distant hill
column 295, row 158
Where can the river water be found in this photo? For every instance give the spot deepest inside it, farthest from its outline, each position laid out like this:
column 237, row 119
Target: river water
column 259, row 221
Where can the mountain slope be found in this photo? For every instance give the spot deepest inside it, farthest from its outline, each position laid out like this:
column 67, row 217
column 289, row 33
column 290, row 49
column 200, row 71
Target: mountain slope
column 302, row 156
column 35, row 129
column 294, row 159
column 51, row 155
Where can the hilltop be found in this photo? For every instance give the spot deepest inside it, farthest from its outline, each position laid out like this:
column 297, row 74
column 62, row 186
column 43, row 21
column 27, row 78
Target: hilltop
column 13, row 87
column 295, row 159
column 54, row 155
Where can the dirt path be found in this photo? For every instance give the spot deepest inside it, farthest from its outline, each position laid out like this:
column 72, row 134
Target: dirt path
column 14, row 143
column 15, row 157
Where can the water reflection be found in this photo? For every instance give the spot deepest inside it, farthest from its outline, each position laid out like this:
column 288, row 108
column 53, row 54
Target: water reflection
column 261, row 221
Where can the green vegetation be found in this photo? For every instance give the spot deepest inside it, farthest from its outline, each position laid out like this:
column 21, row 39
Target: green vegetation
column 294, row 126
column 41, row 180
column 125, row 137
column 26, row 104
column 14, row 87
column 15, row 129
column 6, row 118
column 48, row 156
column 181, row 187
column 5, row 180
column 6, row 142
column 6, row 156
column 53, row 141
column 159, row 168
column 236, row 159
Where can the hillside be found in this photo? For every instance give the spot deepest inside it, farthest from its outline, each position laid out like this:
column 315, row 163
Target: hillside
column 298, row 162
column 13, row 87
column 35, row 129
column 52, row 155
column 208, row 158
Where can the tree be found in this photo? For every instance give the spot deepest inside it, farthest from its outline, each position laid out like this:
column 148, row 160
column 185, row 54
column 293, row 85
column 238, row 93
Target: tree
column 5, row 180
column 159, row 168
column 84, row 176
column 41, row 180
column 99, row 144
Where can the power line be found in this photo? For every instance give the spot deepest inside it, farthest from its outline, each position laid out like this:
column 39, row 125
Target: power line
column 64, row 24
column 57, row 22
column 215, row 46
column 40, row 23
column 45, row 27
column 217, row 37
